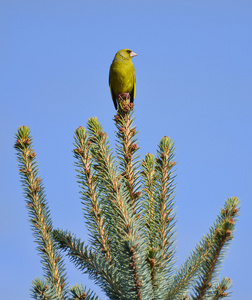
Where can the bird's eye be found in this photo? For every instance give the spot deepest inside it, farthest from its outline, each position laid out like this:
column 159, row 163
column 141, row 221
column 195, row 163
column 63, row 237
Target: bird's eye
column 129, row 51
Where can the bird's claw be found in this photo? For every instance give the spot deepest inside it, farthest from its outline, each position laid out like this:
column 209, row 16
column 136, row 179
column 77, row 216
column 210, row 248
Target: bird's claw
column 124, row 96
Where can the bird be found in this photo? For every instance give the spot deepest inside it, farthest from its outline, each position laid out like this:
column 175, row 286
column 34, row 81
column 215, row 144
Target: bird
column 122, row 78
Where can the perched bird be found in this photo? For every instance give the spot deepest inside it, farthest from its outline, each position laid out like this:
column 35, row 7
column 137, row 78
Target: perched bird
column 122, row 79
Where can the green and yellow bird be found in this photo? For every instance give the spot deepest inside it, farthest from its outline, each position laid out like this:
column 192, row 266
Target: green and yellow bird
column 122, row 79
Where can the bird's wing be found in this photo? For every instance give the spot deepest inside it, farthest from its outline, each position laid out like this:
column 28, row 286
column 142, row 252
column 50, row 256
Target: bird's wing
column 112, row 92
column 133, row 92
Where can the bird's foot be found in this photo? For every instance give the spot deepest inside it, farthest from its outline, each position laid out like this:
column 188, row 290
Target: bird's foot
column 124, row 96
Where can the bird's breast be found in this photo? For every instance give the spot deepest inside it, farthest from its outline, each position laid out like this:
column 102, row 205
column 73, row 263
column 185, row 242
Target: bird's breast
column 122, row 77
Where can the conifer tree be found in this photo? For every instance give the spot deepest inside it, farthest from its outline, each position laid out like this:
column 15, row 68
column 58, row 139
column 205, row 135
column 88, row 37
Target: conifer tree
column 128, row 205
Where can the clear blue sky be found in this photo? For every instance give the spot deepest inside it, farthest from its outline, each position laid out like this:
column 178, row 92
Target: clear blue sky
column 194, row 79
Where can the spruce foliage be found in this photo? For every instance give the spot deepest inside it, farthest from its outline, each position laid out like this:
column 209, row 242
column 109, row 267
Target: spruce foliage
column 128, row 206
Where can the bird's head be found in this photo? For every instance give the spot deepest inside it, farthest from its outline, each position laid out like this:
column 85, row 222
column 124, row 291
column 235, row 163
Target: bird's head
column 125, row 54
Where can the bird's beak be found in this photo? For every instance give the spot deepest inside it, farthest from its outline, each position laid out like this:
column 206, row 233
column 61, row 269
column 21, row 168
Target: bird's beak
column 132, row 54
